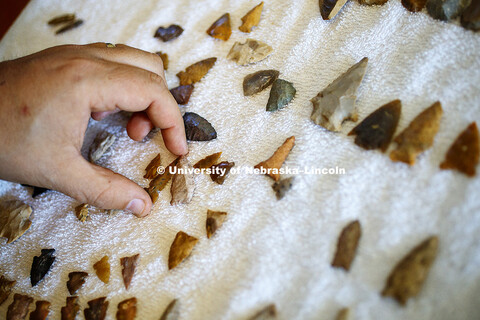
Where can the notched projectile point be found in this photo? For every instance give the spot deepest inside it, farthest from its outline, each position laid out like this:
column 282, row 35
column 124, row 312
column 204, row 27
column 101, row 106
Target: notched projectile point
column 151, row 171
column 330, row 8
column 102, row 142
column 196, row 71
column 373, row 2
column 159, row 183
column 127, row 309
column 336, row 103
column 97, row 309
column 169, row 33
column 129, row 264
column 275, row 162
column 376, row 130
column 281, row 94
column 408, row 276
column 259, row 81
column 180, row 249
column 221, row 29
column 71, row 309
column 414, row 5
column 18, row 309
column 68, row 17
column 5, row 288
column 208, row 161
column 198, row 128
column 250, row 51
column 214, row 221
column 42, row 309
column 81, row 212
column 446, row 10
column 347, row 245
column 269, row 312
column 70, row 26
column 76, row 281
column 464, row 153
column 102, row 269
column 41, row 265
column 172, row 311
column 418, row 136
column 343, row 314
column 471, row 16
column 220, row 171
column 183, row 184
column 14, row 220
column 182, row 94
column 164, row 58
column 282, row 186
column 251, row 19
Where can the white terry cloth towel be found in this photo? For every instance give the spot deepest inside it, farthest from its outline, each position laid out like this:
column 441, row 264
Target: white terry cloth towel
column 270, row 251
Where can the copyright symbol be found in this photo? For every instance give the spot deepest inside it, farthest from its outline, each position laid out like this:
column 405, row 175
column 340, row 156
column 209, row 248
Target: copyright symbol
column 161, row 170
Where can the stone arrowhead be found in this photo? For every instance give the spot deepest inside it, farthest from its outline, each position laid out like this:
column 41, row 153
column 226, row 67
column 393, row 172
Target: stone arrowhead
column 336, row 103
column 250, row 51
column 41, row 265
column 330, row 8
column 446, row 10
column 471, row 16
column 281, row 94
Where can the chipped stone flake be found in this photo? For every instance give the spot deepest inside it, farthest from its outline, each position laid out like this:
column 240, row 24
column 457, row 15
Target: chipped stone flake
column 151, row 171
column 408, row 276
column 376, row 130
column 281, row 187
column 127, row 309
column 42, row 309
column 259, row 81
column 41, row 265
column 208, row 161
column 166, row 34
column 198, row 128
column 182, row 94
column 336, row 103
column 221, row 29
column 196, row 71
column 330, row 8
column 129, row 264
column 161, row 181
column 277, row 159
column 347, row 245
column 76, row 281
column 281, row 94
column 164, row 58
column 217, row 175
column 97, row 309
column 180, row 249
column 81, row 212
column 214, row 221
column 18, row 309
column 102, row 269
column 183, row 184
column 103, row 141
column 418, row 136
column 71, row 309
column 463, row 155
column 248, row 52
column 14, row 220
column 251, row 19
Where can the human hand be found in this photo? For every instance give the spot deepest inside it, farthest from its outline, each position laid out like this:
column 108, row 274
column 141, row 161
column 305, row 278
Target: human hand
column 46, row 100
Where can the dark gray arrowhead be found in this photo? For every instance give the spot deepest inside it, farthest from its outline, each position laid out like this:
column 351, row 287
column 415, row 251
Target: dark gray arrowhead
column 41, row 265
column 197, row 128
column 281, row 94
column 471, row 16
column 258, row 81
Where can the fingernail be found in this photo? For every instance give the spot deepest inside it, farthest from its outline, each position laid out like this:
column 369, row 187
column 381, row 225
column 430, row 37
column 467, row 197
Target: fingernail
column 136, row 206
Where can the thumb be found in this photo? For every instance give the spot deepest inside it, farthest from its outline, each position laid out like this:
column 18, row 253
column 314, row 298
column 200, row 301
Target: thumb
column 103, row 188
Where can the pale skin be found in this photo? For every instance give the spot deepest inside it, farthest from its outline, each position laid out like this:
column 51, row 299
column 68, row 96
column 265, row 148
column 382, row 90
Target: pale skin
column 47, row 99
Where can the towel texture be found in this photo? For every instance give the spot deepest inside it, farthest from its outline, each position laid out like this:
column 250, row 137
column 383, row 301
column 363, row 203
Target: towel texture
column 270, row 251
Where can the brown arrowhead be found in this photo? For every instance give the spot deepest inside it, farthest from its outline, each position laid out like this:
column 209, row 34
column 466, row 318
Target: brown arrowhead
column 464, row 153
column 71, row 309
column 216, row 175
column 275, row 162
column 180, row 249
column 18, row 309
column 182, row 94
column 164, row 58
column 76, row 281
column 5, row 288
column 214, row 221
column 160, row 182
column 408, row 276
column 251, row 19
column 102, row 268
column 418, row 136
column 330, row 8
column 151, row 171
column 97, row 309
column 169, row 33
column 129, row 264
column 127, row 309
column 14, row 220
column 196, row 71
column 208, row 161
column 221, row 28
column 347, row 245
column 41, row 311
